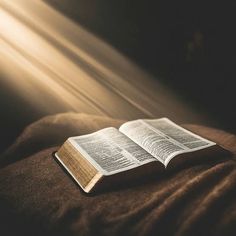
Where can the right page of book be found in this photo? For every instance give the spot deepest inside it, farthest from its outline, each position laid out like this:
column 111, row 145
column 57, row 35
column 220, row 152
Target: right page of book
column 163, row 139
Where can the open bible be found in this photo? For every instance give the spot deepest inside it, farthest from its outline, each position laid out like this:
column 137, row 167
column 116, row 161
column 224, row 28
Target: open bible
column 138, row 148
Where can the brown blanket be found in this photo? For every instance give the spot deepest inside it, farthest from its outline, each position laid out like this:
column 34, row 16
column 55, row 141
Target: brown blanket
column 38, row 198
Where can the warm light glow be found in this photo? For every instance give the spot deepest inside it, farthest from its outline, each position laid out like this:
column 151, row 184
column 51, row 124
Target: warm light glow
column 55, row 63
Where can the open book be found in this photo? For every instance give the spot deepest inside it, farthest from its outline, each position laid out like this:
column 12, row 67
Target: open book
column 138, row 147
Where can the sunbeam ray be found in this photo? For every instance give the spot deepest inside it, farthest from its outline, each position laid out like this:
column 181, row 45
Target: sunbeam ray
column 58, row 61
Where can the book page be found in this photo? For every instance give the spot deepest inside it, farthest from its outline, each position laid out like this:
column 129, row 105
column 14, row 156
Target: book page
column 163, row 139
column 110, row 151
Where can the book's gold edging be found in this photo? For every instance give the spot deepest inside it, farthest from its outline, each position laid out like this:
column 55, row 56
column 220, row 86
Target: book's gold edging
column 97, row 178
column 83, row 171
column 92, row 182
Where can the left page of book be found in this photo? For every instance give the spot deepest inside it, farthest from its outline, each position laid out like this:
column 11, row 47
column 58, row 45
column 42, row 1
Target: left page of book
column 110, row 151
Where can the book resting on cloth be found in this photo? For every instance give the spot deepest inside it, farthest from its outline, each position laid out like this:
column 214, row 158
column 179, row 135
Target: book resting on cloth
column 138, row 148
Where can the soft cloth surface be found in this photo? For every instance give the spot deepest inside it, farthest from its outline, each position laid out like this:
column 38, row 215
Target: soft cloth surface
column 38, row 198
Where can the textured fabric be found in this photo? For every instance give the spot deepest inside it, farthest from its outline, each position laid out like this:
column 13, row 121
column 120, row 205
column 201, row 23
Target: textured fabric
column 38, row 198
column 54, row 130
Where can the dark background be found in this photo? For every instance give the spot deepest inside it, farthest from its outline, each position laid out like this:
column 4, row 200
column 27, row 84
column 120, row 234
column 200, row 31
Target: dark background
column 190, row 46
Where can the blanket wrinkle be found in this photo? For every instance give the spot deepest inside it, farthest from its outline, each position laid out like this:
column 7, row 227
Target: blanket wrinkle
column 139, row 211
column 178, row 199
column 155, row 199
column 226, row 224
column 211, row 202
